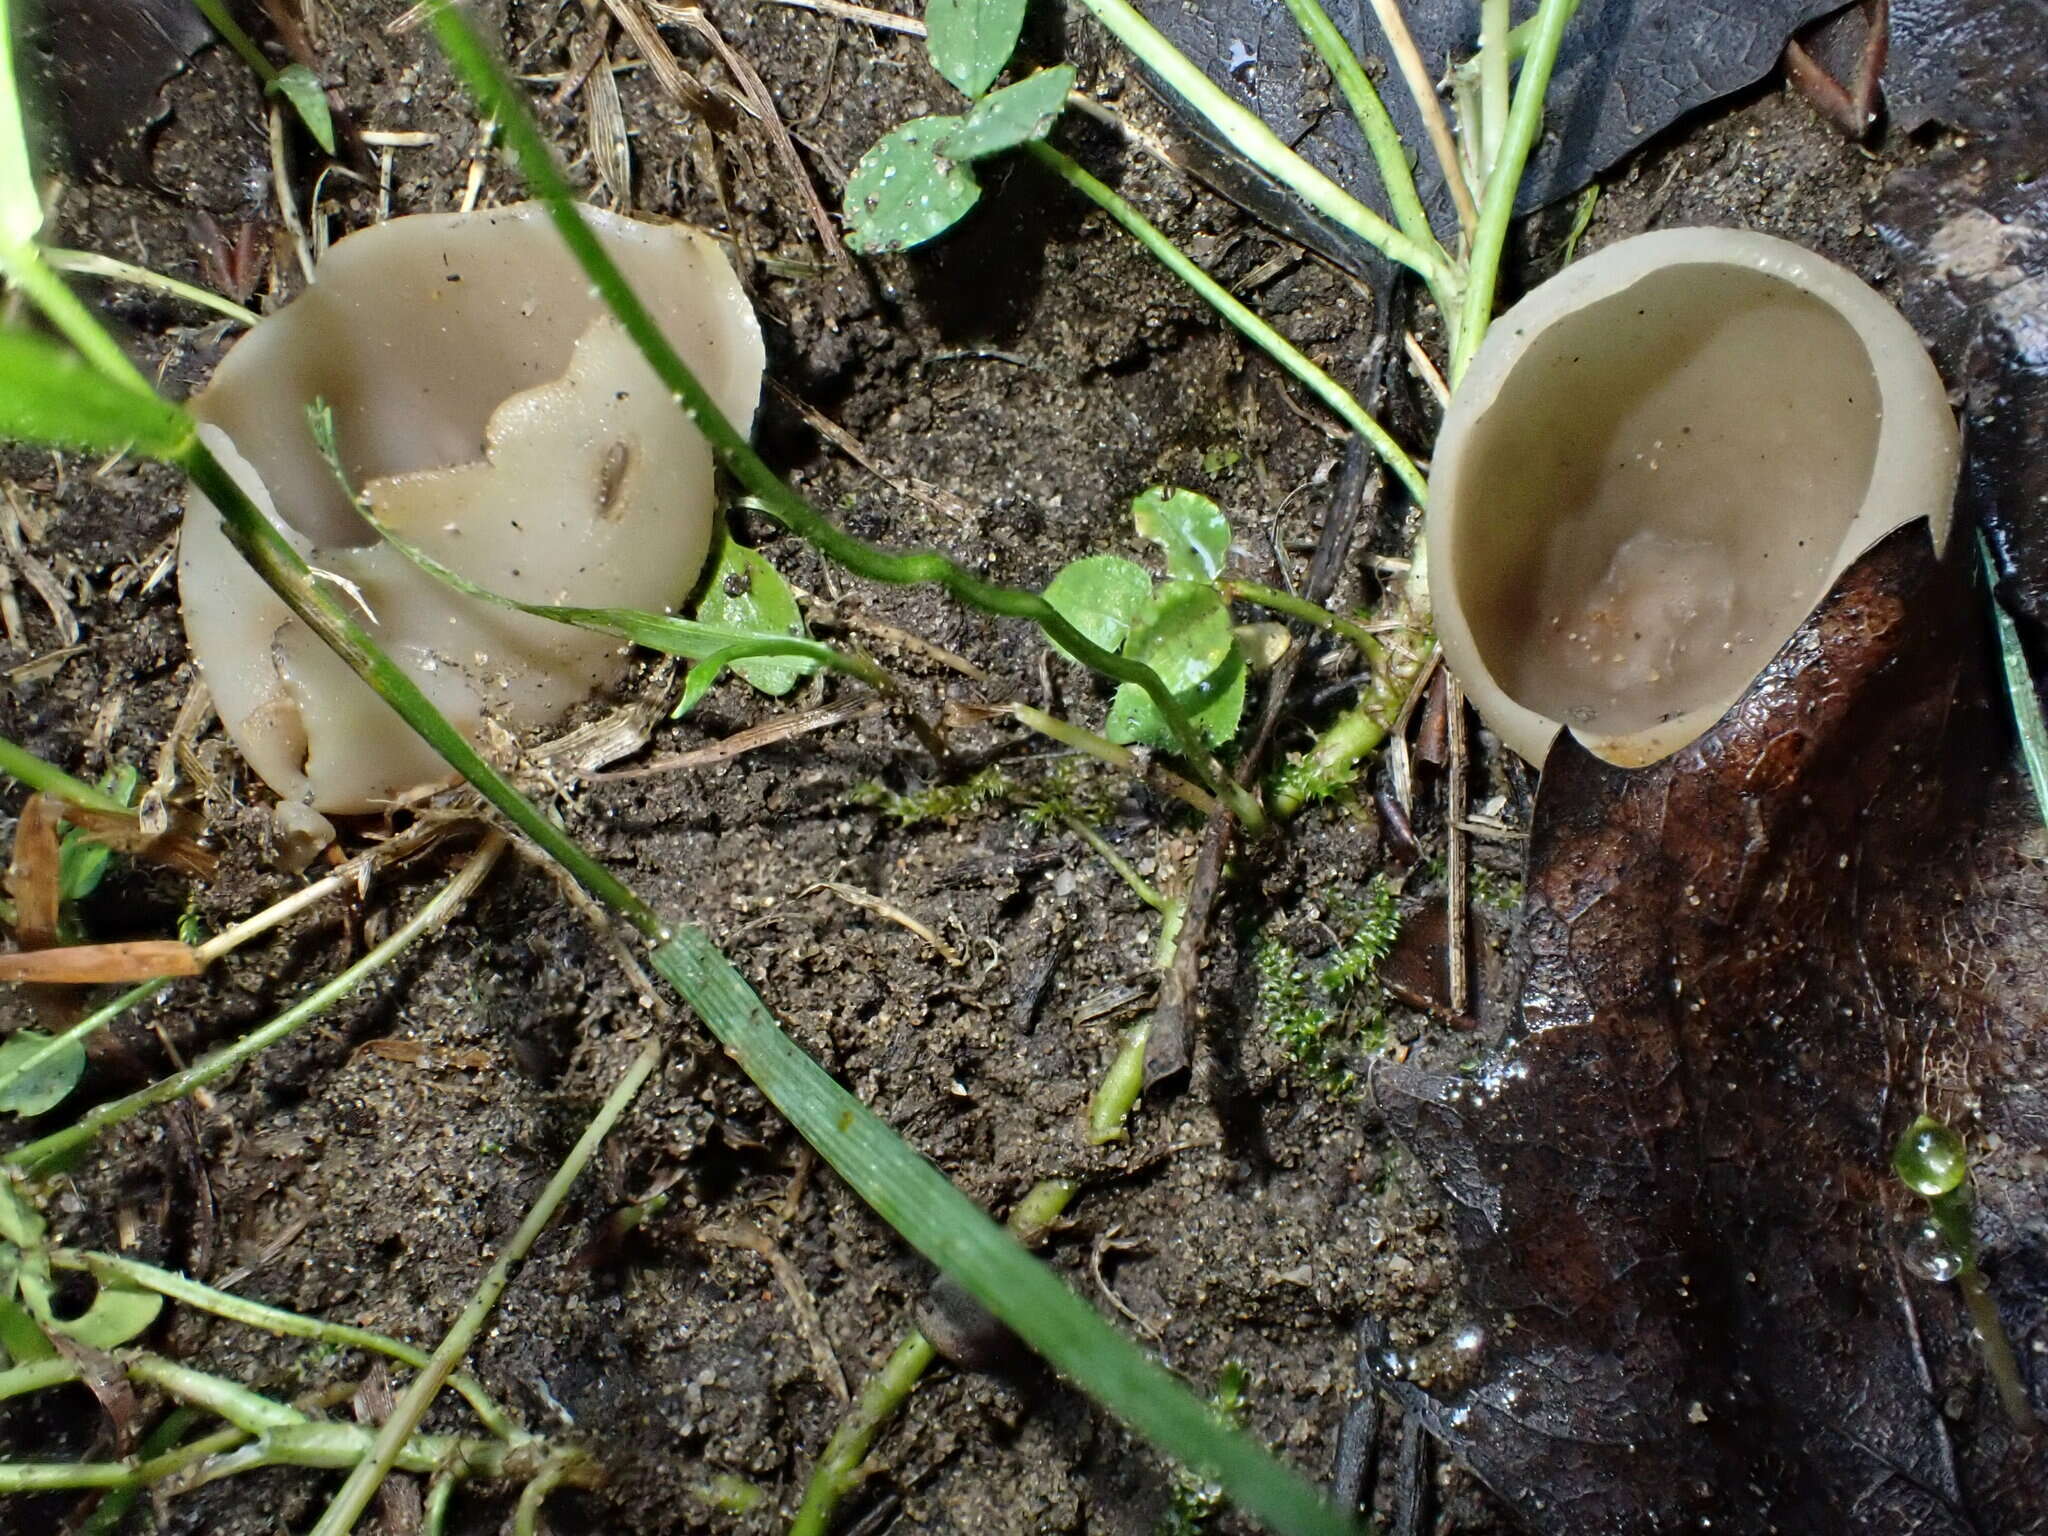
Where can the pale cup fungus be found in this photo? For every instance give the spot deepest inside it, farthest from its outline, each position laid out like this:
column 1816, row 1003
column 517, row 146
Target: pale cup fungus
column 1657, row 464
column 490, row 411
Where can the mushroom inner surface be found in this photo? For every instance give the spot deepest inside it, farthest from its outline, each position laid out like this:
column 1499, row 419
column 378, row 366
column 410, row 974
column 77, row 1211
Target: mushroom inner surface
column 1668, row 472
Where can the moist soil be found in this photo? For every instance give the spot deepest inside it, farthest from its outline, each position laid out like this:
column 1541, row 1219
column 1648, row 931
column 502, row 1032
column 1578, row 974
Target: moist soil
column 1038, row 369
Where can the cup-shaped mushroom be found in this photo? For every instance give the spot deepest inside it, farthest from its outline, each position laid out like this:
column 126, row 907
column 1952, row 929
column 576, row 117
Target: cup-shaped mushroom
column 491, row 411
column 1657, row 463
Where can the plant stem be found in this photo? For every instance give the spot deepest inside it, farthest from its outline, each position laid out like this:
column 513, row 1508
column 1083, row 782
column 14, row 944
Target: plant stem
column 256, row 1314
column 1497, row 207
column 25, row 268
column 1243, row 130
column 1103, row 750
column 92, row 264
column 489, row 83
column 1226, row 304
column 355, row 1494
column 1415, row 74
column 838, row 1471
column 1493, row 83
column 1140, row 887
column 1312, row 613
column 237, row 39
column 36, row 1376
column 78, row 1033
column 217, row 1064
column 19, row 763
column 1381, row 136
column 1117, row 1094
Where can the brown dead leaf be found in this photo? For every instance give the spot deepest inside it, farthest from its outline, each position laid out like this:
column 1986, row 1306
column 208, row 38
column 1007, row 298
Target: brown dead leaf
column 32, row 873
column 1673, row 1187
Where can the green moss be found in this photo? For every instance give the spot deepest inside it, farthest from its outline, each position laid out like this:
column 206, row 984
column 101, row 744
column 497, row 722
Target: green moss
column 946, row 803
column 1503, row 893
column 1318, row 1015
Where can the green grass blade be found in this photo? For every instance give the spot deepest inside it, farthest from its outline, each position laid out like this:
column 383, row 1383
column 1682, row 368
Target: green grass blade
column 49, row 395
column 949, row 1229
column 2019, row 687
column 21, row 210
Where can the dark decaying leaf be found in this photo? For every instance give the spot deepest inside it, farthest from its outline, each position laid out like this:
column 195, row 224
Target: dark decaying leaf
column 1681, row 1236
column 1971, row 226
column 97, row 66
column 1628, row 70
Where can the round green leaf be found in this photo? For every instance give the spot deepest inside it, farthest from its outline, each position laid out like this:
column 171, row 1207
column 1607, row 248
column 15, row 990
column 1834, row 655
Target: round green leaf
column 1188, row 527
column 1012, row 117
column 746, row 592
column 1100, row 596
column 1183, row 634
column 971, row 40
column 904, row 192
column 52, row 1071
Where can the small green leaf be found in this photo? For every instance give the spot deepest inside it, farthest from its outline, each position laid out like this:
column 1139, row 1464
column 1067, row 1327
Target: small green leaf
column 971, row 40
column 1012, row 117
column 746, row 592
column 809, row 654
column 117, row 1315
column 904, row 192
column 20, row 1223
column 49, row 395
column 308, row 97
column 21, row 1339
column 1184, row 635
column 1101, row 596
column 82, row 861
column 1216, row 706
column 37, row 1072
column 1188, row 527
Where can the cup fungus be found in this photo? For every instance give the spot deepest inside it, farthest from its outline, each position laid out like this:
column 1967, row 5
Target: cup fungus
column 489, row 410
column 1658, row 462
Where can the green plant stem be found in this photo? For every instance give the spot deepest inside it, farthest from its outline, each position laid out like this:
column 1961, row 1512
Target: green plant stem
column 237, row 39
column 1493, row 82
column 496, row 92
column 1233, row 310
column 838, row 1471
column 2019, row 685
column 355, row 1494
column 26, row 269
column 36, row 1376
column 1109, row 1111
column 1360, row 730
column 1140, row 887
column 1381, row 136
column 1103, row 750
column 1497, row 205
column 86, row 1027
column 111, row 1511
column 1312, row 613
column 1243, row 130
column 21, row 764
column 216, row 1064
column 92, row 264
column 256, row 1314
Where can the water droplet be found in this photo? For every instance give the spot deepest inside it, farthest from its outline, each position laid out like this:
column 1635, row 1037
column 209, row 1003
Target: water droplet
column 1929, row 1158
column 1928, row 1253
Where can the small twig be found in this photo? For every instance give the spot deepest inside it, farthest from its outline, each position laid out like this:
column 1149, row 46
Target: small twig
column 1415, row 74
column 762, row 103
column 1426, row 369
column 668, row 70
column 887, row 21
column 1167, row 1045
column 801, row 1303
column 891, row 911
column 943, row 502
column 769, row 733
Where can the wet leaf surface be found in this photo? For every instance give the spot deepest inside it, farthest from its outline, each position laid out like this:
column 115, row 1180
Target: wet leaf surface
column 1628, row 69
column 99, row 65
column 1971, row 227
column 1673, row 1186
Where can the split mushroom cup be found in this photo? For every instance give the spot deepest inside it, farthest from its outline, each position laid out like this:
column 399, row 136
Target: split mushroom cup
column 490, row 411
column 1656, row 465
